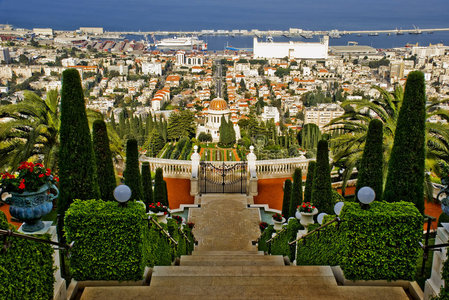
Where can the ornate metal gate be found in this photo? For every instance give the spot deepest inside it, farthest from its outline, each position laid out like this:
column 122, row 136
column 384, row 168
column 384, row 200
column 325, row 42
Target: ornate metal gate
column 221, row 177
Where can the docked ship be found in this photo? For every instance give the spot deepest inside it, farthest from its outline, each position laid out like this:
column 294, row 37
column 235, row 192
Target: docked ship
column 181, row 43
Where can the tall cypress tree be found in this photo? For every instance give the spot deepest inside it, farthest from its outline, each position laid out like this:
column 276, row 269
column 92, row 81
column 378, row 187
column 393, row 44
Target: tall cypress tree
column 103, row 158
column 131, row 173
column 322, row 186
column 77, row 171
column 287, row 196
column 146, row 184
column 165, row 194
column 371, row 166
column 405, row 179
column 296, row 197
column 159, row 192
column 309, row 181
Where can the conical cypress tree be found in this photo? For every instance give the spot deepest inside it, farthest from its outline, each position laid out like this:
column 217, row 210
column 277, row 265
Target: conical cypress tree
column 131, row 173
column 405, row 179
column 165, row 194
column 287, row 196
column 159, row 193
column 77, row 171
column 296, row 197
column 322, row 186
column 103, row 158
column 146, row 184
column 113, row 124
column 309, row 181
column 371, row 166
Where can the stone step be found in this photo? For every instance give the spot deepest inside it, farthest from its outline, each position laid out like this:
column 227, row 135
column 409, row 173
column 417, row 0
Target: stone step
column 265, row 282
column 201, row 292
column 243, row 271
column 236, row 252
column 232, row 260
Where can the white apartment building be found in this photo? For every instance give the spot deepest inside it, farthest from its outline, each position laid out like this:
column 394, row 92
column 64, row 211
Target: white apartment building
column 270, row 113
column 298, row 50
column 151, row 68
column 322, row 114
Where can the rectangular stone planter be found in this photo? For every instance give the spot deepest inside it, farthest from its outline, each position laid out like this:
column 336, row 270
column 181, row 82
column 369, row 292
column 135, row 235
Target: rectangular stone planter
column 77, row 287
column 411, row 287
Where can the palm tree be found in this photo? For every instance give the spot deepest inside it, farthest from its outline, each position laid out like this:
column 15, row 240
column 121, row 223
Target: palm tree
column 347, row 148
column 31, row 131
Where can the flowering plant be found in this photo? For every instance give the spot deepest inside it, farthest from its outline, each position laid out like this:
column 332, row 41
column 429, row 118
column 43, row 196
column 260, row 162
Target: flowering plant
column 306, row 207
column 263, row 225
column 158, row 207
column 29, row 177
column 190, row 225
column 277, row 217
column 178, row 219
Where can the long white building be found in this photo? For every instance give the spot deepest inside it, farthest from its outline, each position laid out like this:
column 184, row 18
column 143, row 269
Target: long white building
column 291, row 49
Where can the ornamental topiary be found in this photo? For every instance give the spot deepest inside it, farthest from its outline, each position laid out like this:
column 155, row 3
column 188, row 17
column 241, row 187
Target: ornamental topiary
column 296, row 197
column 322, row 187
column 147, row 185
column 103, row 158
column 131, row 173
column 159, row 192
column 309, row 181
column 405, row 179
column 287, row 196
column 371, row 167
column 77, row 169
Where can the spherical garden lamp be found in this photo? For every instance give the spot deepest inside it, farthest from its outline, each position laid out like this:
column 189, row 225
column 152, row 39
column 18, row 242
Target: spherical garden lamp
column 366, row 195
column 320, row 218
column 338, row 207
column 122, row 193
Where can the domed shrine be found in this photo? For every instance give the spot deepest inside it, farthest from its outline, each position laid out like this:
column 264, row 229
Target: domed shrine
column 218, row 108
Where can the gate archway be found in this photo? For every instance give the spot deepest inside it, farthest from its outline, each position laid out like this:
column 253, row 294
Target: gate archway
column 222, row 177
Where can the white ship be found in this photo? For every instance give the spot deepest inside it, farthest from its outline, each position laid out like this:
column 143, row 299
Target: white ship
column 183, row 43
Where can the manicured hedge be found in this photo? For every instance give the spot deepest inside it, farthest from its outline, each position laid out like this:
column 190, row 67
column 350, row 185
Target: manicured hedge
column 109, row 240
column 159, row 250
column 266, row 235
column 378, row 243
column 280, row 246
column 382, row 242
column 26, row 269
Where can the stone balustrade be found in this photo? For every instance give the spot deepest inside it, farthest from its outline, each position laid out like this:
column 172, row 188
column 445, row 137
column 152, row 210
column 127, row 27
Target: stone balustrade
column 276, row 168
column 171, row 168
column 281, row 168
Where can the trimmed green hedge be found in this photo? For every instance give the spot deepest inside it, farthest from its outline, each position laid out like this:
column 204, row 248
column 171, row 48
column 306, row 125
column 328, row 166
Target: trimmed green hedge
column 26, row 269
column 114, row 242
column 109, row 240
column 280, row 246
column 266, row 235
column 321, row 249
column 378, row 243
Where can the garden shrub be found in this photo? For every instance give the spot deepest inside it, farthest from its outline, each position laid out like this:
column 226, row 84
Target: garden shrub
column 264, row 237
column 159, row 249
column 26, row 269
column 286, row 197
column 443, row 218
column 378, row 243
column 280, row 246
column 296, row 193
column 336, row 197
column 109, row 240
column 147, row 188
column 309, row 182
column 322, row 187
column 131, row 174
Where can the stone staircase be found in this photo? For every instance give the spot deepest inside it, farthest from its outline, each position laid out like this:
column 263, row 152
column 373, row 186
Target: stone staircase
column 227, row 266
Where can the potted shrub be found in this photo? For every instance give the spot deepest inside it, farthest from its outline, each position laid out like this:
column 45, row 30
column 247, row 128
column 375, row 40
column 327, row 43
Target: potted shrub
column 31, row 191
column 278, row 219
column 307, row 211
column 263, row 226
column 160, row 210
column 178, row 219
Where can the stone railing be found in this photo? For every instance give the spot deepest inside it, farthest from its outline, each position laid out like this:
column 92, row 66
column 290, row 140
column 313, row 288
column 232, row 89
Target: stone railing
column 281, row 168
column 171, row 168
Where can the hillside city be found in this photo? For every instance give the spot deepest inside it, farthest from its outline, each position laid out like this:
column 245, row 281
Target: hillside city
column 137, row 169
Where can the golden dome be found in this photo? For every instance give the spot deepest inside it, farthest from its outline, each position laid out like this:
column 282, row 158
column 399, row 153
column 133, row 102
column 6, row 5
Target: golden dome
column 218, row 104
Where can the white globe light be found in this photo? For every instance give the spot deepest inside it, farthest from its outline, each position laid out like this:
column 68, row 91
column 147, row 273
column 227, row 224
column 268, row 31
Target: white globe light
column 320, row 218
column 122, row 193
column 337, row 207
column 366, row 195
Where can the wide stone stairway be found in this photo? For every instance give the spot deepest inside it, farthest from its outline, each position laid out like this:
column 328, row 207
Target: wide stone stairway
column 225, row 265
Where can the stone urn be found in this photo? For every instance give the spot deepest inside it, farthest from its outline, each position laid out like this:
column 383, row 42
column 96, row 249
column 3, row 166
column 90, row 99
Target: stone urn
column 307, row 218
column 161, row 217
column 277, row 225
column 29, row 207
